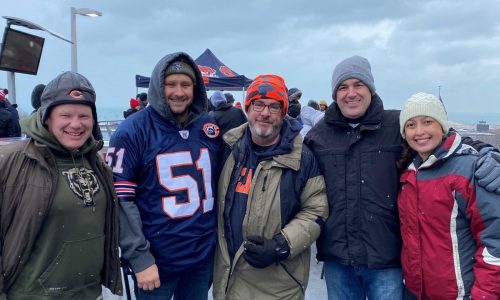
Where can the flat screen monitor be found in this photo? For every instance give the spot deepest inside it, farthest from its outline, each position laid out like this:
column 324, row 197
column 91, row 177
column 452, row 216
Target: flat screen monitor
column 20, row 52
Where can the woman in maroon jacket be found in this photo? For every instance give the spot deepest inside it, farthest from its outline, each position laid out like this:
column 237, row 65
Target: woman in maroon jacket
column 449, row 224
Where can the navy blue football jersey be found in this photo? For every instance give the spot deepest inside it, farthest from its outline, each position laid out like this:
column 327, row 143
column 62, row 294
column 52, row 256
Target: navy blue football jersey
column 172, row 176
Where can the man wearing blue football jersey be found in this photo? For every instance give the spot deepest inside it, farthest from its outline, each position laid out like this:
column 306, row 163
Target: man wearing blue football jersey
column 164, row 164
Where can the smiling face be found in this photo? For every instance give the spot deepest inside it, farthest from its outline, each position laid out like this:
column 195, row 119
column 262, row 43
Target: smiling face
column 71, row 124
column 424, row 134
column 265, row 125
column 179, row 90
column 353, row 98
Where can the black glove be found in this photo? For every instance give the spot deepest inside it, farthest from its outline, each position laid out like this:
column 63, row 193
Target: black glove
column 261, row 252
column 476, row 144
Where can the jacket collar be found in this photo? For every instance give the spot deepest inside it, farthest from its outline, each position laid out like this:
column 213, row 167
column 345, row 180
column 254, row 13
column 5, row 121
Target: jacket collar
column 451, row 144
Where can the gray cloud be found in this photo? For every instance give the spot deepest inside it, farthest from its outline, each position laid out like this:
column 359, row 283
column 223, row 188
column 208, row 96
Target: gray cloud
column 413, row 45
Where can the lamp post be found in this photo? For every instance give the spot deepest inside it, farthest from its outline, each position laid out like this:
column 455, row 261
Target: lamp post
column 84, row 12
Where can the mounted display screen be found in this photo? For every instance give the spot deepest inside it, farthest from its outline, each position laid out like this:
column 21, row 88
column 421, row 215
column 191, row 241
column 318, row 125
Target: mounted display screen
column 20, row 52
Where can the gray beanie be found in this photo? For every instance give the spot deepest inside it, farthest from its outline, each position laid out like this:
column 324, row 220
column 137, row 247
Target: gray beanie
column 67, row 88
column 181, row 67
column 217, row 99
column 423, row 104
column 353, row 67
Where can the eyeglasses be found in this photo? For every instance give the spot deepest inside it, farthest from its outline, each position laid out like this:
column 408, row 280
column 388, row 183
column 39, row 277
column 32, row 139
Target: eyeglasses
column 259, row 107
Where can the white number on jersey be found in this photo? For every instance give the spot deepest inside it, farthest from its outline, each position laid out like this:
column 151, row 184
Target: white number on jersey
column 110, row 152
column 165, row 163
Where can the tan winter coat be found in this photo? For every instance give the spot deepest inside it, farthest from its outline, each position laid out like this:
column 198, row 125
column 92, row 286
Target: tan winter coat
column 263, row 217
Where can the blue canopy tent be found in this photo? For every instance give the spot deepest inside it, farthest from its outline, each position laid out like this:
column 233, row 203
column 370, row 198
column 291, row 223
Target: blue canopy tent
column 216, row 75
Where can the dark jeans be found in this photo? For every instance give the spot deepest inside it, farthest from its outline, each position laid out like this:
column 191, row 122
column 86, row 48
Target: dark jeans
column 193, row 285
column 361, row 282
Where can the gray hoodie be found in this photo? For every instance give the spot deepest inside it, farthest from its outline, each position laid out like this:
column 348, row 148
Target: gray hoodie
column 156, row 95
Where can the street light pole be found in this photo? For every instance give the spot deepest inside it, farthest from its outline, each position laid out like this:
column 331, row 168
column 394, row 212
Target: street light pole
column 84, row 12
column 74, row 66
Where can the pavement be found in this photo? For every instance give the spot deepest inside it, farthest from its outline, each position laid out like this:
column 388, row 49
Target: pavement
column 316, row 289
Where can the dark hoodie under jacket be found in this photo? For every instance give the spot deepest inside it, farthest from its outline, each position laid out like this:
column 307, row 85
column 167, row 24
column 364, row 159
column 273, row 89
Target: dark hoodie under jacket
column 29, row 173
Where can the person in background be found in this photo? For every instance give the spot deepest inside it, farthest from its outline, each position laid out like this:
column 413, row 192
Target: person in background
column 238, row 105
column 294, row 105
column 143, row 99
column 449, row 223
column 9, row 117
column 229, row 98
column 36, row 95
column 135, row 106
column 271, row 202
column 355, row 143
column 323, row 105
column 313, row 104
column 166, row 171
column 226, row 115
column 309, row 117
column 59, row 221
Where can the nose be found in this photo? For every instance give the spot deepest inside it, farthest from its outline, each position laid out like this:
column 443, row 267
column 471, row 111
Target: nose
column 75, row 122
column 178, row 90
column 351, row 92
column 419, row 129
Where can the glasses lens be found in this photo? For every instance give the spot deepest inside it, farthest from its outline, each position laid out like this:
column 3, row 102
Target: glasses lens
column 274, row 108
column 258, row 106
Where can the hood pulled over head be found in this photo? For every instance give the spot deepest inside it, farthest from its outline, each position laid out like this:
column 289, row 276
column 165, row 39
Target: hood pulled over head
column 156, row 95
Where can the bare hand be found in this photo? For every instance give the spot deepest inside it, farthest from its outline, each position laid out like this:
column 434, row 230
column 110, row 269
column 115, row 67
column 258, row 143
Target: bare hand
column 148, row 279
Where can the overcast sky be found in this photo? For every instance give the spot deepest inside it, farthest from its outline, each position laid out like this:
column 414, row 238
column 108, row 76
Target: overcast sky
column 412, row 45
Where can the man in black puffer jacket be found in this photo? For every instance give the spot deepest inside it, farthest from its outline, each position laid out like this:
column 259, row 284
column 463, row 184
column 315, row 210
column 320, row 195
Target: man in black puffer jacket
column 226, row 115
column 357, row 145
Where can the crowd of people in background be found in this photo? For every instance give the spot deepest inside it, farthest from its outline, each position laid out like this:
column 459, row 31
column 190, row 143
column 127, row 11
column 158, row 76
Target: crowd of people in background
column 201, row 192
column 9, row 117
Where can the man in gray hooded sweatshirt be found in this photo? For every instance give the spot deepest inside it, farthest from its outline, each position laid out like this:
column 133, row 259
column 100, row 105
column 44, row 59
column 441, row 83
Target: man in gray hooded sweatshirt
column 165, row 171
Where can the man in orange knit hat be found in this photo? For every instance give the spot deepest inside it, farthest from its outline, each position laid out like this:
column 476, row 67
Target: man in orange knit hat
column 271, row 202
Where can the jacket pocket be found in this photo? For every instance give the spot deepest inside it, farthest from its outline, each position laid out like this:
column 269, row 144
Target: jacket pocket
column 77, row 265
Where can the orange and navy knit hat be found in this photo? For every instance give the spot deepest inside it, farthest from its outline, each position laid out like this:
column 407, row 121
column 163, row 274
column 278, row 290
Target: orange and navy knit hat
column 267, row 86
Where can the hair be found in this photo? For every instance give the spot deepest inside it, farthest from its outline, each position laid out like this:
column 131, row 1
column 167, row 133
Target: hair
column 407, row 156
column 313, row 104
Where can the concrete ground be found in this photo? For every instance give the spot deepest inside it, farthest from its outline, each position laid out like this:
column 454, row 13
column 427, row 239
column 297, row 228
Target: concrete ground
column 316, row 289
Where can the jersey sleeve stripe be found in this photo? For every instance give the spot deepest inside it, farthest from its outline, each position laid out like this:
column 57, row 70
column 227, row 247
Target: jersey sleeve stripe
column 125, row 189
column 126, row 183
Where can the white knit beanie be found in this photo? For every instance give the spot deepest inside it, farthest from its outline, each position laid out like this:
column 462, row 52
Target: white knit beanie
column 423, row 104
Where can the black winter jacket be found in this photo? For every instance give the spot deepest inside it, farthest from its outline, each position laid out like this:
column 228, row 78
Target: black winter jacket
column 359, row 167
column 228, row 117
column 9, row 120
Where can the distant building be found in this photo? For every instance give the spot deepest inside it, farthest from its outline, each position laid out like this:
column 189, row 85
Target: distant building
column 482, row 126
